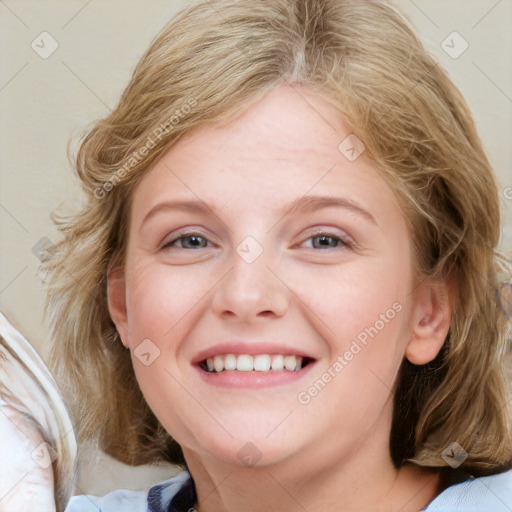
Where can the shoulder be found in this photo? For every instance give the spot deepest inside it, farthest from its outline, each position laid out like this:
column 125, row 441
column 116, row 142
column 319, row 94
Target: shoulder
column 156, row 499
column 484, row 494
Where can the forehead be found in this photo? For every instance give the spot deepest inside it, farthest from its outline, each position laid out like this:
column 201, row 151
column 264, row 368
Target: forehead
column 289, row 123
column 285, row 146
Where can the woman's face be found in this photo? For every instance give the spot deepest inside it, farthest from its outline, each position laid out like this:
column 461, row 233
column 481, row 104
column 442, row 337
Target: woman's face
column 254, row 242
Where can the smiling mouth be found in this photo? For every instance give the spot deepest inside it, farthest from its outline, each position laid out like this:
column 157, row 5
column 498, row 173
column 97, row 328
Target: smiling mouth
column 256, row 363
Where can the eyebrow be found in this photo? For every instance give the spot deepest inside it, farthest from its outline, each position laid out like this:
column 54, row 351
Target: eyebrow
column 308, row 204
column 304, row 204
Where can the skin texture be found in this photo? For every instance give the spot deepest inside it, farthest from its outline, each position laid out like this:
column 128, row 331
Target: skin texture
column 333, row 452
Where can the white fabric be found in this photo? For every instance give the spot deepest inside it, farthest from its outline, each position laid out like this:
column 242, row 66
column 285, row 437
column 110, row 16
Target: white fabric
column 37, row 441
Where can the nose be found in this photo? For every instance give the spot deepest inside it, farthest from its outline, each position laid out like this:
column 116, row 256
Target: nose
column 251, row 291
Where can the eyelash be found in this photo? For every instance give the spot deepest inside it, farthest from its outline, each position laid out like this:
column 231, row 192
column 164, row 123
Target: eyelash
column 344, row 242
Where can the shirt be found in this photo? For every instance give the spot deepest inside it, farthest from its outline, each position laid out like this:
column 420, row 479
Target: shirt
column 484, row 494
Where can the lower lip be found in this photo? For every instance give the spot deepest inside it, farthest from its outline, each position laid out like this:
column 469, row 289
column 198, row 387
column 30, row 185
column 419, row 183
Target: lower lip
column 238, row 379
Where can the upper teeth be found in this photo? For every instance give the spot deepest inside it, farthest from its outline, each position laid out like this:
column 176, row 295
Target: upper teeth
column 259, row 363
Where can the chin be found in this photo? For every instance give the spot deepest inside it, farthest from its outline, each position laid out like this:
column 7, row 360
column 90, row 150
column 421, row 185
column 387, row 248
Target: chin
column 248, row 448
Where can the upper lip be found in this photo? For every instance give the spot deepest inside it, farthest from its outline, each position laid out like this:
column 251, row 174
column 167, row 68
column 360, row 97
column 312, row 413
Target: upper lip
column 251, row 348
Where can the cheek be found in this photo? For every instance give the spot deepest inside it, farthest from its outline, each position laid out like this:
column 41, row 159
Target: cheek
column 163, row 304
column 360, row 309
column 163, row 388
column 352, row 297
column 363, row 319
column 159, row 298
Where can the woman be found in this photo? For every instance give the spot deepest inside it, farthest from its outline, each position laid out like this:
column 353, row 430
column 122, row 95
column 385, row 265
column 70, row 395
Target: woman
column 287, row 270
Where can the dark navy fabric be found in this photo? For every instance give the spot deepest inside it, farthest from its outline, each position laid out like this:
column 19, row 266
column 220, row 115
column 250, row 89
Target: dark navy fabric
column 167, row 497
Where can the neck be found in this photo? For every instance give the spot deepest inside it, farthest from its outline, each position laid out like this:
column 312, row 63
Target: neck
column 359, row 480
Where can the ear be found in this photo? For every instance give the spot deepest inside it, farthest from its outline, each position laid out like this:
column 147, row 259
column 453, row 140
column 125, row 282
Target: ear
column 431, row 316
column 116, row 295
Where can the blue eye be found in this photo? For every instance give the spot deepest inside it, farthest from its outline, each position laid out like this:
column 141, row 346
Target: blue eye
column 188, row 241
column 197, row 241
column 327, row 241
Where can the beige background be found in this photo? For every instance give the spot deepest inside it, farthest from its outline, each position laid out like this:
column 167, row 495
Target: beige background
column 44, row 101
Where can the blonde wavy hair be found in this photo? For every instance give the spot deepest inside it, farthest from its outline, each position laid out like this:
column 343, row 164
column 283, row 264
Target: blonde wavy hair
column 215, row 59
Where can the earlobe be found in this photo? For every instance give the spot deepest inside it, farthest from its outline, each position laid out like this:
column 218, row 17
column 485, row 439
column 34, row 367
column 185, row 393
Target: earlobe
column 430, row 322
column 116, row 295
